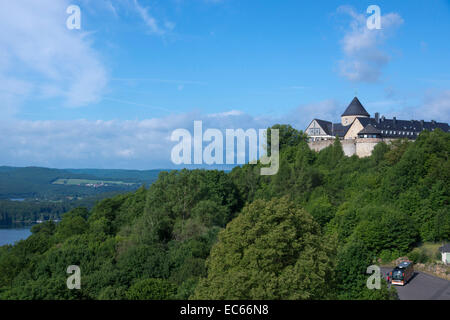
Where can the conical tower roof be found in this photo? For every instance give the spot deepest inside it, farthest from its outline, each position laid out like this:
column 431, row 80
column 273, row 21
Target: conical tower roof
column 355, row 108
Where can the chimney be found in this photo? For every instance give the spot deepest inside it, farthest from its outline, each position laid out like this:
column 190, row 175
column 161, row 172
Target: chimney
column 382, row 118
column 421, row 123
column 394, row 121
column 377, row 117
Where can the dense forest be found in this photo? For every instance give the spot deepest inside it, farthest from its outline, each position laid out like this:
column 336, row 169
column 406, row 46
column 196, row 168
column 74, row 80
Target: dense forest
column 30, row 211
column 309, row 232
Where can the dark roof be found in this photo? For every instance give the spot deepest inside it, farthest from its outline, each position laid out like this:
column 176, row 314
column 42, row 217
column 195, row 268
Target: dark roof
column 369, row 129
column 333, row 129
column 340, row 130
column 402, row 125
column 325, row 125
column 445, row 248
column 355, row 108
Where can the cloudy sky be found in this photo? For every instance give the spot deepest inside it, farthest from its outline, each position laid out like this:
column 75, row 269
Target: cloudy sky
column 110, row 94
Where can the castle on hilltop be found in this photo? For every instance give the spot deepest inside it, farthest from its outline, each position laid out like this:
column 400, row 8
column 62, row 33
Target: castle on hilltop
column 359, row 133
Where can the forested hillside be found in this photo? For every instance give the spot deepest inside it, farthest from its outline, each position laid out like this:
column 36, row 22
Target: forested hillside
column 308, row 232
column 30, row 211
column 36, row 182
column 41, row 198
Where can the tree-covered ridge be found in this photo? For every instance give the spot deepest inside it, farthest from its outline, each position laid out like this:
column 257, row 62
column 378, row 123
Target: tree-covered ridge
column 42, row 198
column 309, row 232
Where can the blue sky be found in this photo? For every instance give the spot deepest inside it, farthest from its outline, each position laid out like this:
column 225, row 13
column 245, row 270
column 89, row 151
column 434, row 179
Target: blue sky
column 109, row 95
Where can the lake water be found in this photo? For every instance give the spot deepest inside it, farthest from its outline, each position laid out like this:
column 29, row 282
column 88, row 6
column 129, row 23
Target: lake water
column 11, row 234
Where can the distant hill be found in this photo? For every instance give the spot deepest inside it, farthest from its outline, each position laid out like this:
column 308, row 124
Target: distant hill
column 34, row 193
column 37, row 182
column 120, row 174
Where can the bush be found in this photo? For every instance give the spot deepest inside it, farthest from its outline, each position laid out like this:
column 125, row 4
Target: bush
column 386, row 256
column 418, row 256
column 152, row 289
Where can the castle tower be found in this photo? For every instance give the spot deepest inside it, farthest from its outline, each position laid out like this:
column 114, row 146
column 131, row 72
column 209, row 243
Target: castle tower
column 354, row 110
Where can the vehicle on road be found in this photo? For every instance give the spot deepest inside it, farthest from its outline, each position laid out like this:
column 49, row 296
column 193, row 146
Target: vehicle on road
column 402, row 273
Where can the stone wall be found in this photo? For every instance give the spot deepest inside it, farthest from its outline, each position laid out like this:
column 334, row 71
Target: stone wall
column 348, row 145
column 319, row 145
column 362, row 147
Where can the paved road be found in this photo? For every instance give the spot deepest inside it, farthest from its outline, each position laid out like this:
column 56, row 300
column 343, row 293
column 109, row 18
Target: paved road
column 423, row 287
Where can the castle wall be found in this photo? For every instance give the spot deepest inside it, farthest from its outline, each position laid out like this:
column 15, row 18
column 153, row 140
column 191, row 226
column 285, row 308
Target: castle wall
column 362, row 147
column 349, row 146
column 365, row 146
column 319, row 145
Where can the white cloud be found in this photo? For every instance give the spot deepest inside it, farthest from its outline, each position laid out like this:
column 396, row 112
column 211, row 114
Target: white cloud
column 226, row 114
column 152, row 24
column 364, row 57
column 435, row 106
column 329, row 110
column 42, row 58
column 146, row 144
column 134, row 144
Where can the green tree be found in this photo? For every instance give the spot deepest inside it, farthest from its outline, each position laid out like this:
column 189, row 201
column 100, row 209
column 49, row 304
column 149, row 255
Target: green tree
column 272, row 250
column 151, row 289
column 353, row 261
